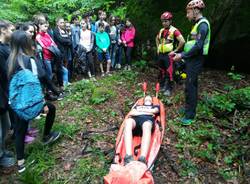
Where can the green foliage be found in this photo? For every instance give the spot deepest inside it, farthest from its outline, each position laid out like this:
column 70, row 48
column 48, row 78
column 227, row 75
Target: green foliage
column 43, row 161
column 221, row 103
column 142, row 65
column 240, row 97
column 235, row 76
column 207, row 153
column 91, row 169
column 101, row 95
column 227, row 173
column 120, row 12
column 207, row 132
column 188, row 168
column 23, row 10
column 69, row 129
column 203, row 110
column 225, row 103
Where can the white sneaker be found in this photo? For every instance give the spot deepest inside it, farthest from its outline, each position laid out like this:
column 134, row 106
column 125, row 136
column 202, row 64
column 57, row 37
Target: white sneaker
column 119, row 66
column 129, row 67
column 89, row 74
column 38, row 117
column 126, row 67
column 108, row 74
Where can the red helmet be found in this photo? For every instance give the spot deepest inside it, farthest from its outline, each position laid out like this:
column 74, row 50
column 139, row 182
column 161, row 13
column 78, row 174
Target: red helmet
column 166, row 16
column 195, row 4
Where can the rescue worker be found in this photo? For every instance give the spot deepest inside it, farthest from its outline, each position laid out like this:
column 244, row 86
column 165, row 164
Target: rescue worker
column 195, row 49
column 165, row 42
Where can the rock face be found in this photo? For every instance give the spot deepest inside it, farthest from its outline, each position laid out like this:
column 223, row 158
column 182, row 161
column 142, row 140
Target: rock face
column 230, row 23
column 231, row 34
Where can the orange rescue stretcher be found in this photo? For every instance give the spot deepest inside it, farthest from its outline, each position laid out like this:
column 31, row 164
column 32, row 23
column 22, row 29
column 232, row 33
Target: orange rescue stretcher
column 137, row 172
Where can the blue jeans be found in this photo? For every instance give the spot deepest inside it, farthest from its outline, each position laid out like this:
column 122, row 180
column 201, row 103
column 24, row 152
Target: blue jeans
column 48, row 66
column 4, row 127
column 113, row 49
column 65, row 76
column 119, row 54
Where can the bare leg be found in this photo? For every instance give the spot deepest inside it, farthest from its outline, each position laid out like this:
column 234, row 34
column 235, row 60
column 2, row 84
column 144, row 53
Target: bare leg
column 108, row 66
column 101, row 67
column 146, row 138
column 129, row 126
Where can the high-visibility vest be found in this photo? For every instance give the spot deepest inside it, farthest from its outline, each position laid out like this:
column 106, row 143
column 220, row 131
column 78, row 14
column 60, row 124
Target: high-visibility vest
column 191, row 40
column 166, row 44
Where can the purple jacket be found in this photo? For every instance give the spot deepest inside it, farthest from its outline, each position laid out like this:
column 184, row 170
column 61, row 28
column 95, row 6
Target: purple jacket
column 128, row 35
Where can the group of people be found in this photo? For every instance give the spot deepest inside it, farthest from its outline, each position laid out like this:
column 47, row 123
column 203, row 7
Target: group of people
column 54, row 52
column 50, row 54
column 104, row 39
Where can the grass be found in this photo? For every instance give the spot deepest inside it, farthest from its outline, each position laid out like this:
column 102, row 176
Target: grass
column 98, row 105
column 77, row 107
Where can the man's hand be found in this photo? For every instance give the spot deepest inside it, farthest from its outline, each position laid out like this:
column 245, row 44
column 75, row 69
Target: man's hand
column 177, row 57
column 46, row 109
column 104, row 50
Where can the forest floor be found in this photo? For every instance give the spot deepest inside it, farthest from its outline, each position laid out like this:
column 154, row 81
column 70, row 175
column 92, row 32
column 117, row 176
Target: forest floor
column 214, row 149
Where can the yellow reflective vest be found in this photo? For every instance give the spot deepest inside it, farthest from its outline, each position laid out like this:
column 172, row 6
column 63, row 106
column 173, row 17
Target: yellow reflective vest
column 191, row 40
column 166, row 44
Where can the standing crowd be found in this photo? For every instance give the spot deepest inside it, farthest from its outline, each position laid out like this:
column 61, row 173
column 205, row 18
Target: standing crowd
column 32, row 53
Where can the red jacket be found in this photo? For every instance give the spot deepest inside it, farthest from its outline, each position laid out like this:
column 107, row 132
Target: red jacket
column 128, row 35
column 45, row 41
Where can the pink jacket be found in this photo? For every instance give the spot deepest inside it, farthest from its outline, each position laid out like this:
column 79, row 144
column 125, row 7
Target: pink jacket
column 128, row 36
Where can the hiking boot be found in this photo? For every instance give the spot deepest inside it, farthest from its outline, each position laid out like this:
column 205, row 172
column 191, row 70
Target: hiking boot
column 142, row 159
column 52, row 137
column 127, row 159
column 186, row 121
column 167, row 93
column 7, row 161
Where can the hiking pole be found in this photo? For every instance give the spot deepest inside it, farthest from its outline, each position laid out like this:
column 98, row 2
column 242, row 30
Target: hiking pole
column 144, row 88
column 157, row 89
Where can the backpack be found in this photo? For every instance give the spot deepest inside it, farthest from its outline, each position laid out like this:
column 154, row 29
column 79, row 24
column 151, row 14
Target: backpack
column 81, row 64
column 25, row 93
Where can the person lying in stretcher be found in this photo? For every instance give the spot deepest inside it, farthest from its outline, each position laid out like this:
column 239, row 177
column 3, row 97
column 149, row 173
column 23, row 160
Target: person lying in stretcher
column 140, row 122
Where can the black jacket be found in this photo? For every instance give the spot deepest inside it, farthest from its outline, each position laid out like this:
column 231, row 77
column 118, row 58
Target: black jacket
column 64, row 43
column 4, row 54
